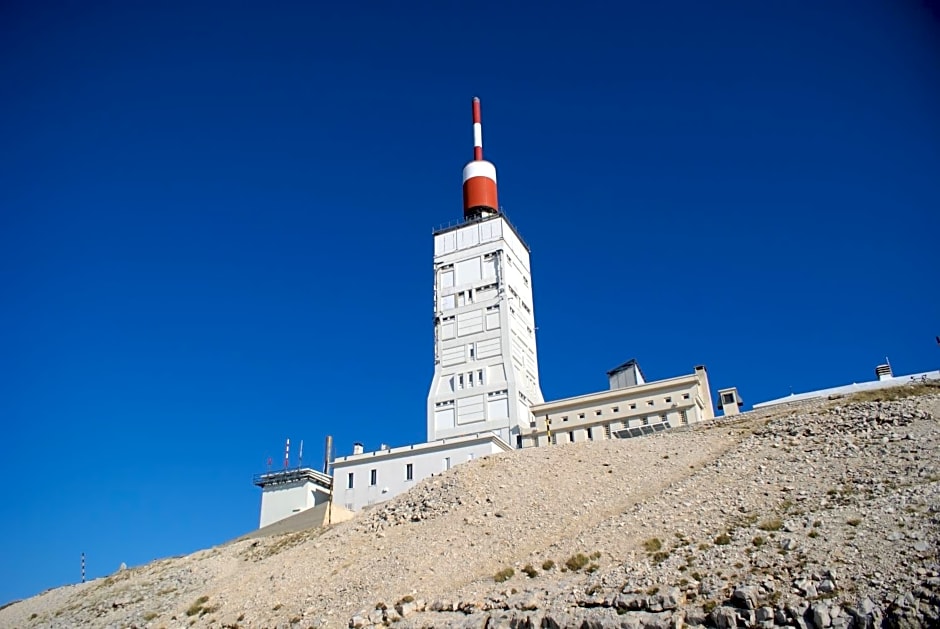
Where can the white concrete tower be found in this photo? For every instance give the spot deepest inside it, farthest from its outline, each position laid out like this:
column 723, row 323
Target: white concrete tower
column 485, row 361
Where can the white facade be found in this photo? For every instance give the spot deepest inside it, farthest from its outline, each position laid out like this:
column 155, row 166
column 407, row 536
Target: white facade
column 485, row 361
column 622, row 412
column 288, row 492
column 884, row 381
column 369, row 478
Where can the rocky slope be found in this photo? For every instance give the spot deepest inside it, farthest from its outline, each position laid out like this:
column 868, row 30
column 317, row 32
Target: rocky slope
column 818, row 516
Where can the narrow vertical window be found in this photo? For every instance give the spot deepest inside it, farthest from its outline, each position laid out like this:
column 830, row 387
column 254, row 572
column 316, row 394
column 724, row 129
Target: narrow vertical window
column 350, row 480
column 374, row 477
column 409, row 472
column 446, row 463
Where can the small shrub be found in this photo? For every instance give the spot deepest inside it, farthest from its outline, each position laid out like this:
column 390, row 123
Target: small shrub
column 773, row 524
column 576, row 562
column 592, row 568
column 817, row 524
column 548, row 564
column 812, row 534
column 696, row 576
column 530, row 571
column 407, row 598
column 504, row 575
column 196, row 607
column 723, row 540
column 738, row 565
column 703, row 546
column 653, row 590
column 683, row 582
column 381, row 605
column 758, row 541
column 708, row 606
column 277, row 606
column 652, row 545
column 148, row 616
column 661, row 556
column 33, row 616
column 854, row 522
column 595, row 555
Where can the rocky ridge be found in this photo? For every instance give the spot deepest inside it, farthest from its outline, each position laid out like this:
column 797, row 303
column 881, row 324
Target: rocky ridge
column 820, row 516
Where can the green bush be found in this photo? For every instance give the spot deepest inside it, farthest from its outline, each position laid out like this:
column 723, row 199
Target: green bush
column 652, row 545
column 723, row 540
column 773, row 524
column 758, row 541
column 548, row 564
column 196, row 607
column 576, row 562
column 504, row 575
column 530, row 571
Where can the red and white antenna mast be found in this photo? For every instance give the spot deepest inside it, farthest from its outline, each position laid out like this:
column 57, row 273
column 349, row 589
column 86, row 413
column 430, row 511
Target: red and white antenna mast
column 287, row 453
column 479, row 176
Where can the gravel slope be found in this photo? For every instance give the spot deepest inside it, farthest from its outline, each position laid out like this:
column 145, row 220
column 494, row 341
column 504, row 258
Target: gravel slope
column 842, row 494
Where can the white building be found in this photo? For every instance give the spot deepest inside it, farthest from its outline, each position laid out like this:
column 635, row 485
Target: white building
column 886, row 378
column 630, row 408
column 368, row 478
column 288, row 492
column 485, row 361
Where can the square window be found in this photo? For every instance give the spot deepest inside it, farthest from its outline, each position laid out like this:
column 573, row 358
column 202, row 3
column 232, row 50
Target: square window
column 685, row 396
column 633, row 407
column 615, row 409
column 668, row 400
column 598, row 413
column 580, row 415
column 565, row 418
column 650, row 403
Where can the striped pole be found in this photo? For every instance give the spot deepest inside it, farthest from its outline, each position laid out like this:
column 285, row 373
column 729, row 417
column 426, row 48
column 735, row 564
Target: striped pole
column 300, row 455
column 477, row 131
column 83, row 567
column 287, row 454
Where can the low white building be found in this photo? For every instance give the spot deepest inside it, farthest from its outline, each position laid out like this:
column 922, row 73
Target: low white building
column 886, row 378
column 367, row 478
column 287, row 492
column 630, row 408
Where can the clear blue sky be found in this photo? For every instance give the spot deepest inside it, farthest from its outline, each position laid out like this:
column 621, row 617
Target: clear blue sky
column 215, row 227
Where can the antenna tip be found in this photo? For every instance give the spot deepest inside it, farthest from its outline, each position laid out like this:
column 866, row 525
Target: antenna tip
column 476, row 99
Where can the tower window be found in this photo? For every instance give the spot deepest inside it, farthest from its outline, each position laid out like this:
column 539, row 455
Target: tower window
column 374, row 477
column 409, row 471
column 350, row 480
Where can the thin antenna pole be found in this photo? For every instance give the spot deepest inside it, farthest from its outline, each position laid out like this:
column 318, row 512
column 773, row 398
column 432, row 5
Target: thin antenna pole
column 83, row 567
column 300, row 455
column 287, row 453
column 477, row 131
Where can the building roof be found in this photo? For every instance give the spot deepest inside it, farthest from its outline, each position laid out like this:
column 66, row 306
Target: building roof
column 855, row 387
column 630, row 363
column 417, row 448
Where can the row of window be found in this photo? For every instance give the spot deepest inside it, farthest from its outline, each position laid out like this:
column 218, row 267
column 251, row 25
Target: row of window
column 662, row 419
column 616, row 409
column 409, row 473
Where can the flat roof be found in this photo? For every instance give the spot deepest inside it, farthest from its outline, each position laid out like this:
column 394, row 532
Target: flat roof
column 855, row 387
column 612, row 393
column 482, row 219
column 282, row 477
column 417, row 448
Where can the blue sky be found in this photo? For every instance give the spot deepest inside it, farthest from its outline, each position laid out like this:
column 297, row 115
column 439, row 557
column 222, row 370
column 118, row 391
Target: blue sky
column 215, row 227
